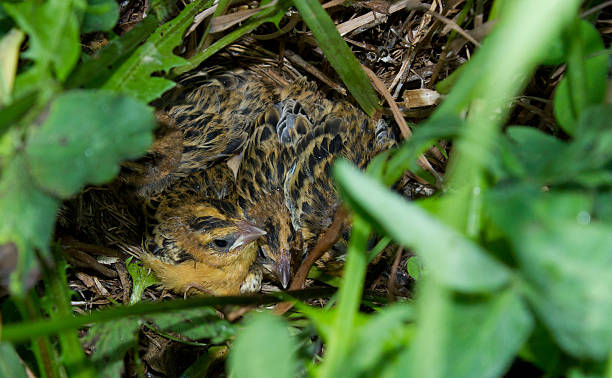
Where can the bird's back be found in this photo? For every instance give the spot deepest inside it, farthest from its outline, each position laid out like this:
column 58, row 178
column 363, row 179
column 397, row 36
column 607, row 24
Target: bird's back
column 344, row 132
column 208, row 119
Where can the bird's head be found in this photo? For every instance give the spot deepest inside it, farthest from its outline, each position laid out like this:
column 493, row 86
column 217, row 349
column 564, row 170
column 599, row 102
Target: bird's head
column 208, row 243
column 279, row 244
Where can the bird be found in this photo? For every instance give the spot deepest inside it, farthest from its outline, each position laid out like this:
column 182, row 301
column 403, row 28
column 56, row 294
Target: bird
column 215, row 231
column 343, row 132
column 205, row 245
column 284, row 183
column 183, row 177
column 217, row 117
column 260, row 184
column 204, row 120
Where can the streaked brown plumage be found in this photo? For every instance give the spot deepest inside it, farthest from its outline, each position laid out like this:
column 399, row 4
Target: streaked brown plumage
column 284, row 182
column 198, row 237
column 204, row 228
column 344, row 132
column 213, row 117
column 207, row 119
column 268, row 157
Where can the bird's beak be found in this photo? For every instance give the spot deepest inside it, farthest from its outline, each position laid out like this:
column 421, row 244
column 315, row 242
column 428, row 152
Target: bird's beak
column 283, row 268
column 248, row 233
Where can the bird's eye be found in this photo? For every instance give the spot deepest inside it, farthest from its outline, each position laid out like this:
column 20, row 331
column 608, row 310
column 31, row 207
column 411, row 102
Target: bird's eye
column 223, row 245
column 220, row 243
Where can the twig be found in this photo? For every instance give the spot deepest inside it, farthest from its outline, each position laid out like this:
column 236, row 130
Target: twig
column 324, row 243
column 298, row 61
column 332, row 3
column 293, row 20
column 362, row 21
column 70, row 242
column 226, row 21
column 453, row 25
column 392, row 285
column 399, row 118
column 234, row 315
column 596, row 8
column 407, row 63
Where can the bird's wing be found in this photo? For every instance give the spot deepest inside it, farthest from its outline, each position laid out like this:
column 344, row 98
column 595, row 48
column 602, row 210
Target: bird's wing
column 309, row 191
column 209, row 120
column 218, row 116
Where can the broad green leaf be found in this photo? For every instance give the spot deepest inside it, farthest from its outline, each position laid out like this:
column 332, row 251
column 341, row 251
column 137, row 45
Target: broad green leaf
column 53, row 29
column 567, row 267
column 85, row 136
column 603, row 206
column 543, row 159
column 28, row 217
column 583, row 372
column 414, row 267
column 133, row 76
column 11, row 114
column 100, row 15
column 593, row 70
column 196, row 324
column 383, row 335
column 10, row 363
column 112, row 340
column 338, row 53
column 537, row 153
column 513, row 207
column 35, row 79
column 480, row 338
column 142, row 278
column 9, row 46
column 486, row 335
column 95, row 71
column 263, row 348
column 592, row 148
column 542, row 351
column 454, row 260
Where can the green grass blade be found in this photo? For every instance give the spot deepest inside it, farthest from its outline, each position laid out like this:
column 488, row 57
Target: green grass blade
column 341, row 335
column 133, row 76
column 452, row 259
column 266, row 15
column 15, row 332
column 58, row 306
column 338, row 53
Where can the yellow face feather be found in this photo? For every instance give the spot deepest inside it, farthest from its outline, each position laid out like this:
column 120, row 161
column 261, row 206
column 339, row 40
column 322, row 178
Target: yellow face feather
column 202, row 244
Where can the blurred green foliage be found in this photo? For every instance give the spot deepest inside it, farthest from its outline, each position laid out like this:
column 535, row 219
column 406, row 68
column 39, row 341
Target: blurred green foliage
column 512, row 256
